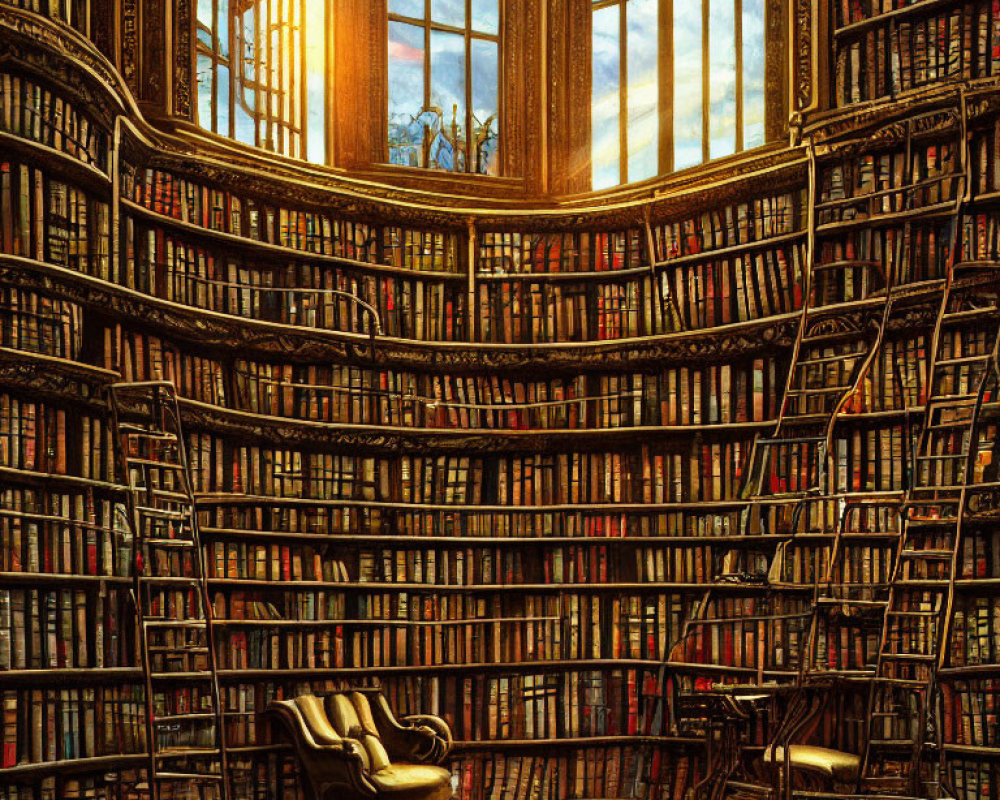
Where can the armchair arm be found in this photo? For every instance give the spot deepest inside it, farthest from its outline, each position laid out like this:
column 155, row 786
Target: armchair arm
column 438, row 728
column 423, row 739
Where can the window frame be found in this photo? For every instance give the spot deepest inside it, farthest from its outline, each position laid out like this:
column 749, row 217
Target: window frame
column 427, row 24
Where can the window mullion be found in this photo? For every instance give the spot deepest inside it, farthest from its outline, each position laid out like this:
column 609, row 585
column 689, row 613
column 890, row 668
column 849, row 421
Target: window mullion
column 705, row 82
column 623, row 90
column 738, row 35
column 468, row 86
column 665, row 70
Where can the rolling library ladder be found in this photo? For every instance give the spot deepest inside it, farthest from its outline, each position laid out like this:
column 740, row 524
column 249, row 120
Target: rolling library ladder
column 785, row 487
column 184, row 715
column 918, row 614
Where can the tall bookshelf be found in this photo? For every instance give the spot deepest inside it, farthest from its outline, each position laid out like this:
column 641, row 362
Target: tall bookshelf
column 644, row 485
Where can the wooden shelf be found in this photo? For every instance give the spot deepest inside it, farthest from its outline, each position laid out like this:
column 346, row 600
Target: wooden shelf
column 75, row 766
column 539, row 666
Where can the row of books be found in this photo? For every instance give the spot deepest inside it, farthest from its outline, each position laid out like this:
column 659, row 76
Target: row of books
column 544, row 311
column 845, row 642
column 53, row 787
column 64, row 628
column 979, row 556
column 736, row 288
column 870, row 460
column 282, row 603
column 58, row 724
column 457, row 523
column 642, row 772
column 980, row 238
column 984, row 154
column 141, row 356
column 217, row 278
column 975, row 632
column 889, row 182
column 31, row 111
column 37, row 323
column 741, row 223
column 309, row 231
column 656, row 473
column 469, row 566
column 40, row 437
column 970, row 712
column 86, row 536
column 896, row 378
column 711, row 394
column 269, row 776
column 748, row 632
column 516, row 253
column 48, row 220
column 898, row 56
column 503, row 641
column 908, row 251
column 276, row 562
column 972, row 777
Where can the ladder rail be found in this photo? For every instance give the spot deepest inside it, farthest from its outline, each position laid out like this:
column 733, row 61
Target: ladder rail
column 161, row 400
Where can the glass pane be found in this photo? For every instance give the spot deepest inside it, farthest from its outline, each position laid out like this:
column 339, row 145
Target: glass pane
column 315, row 33
column 406, row 94
column 753, row 73
column 485, row 124
column 222, row 100
column 687, row 83
column 643, row 90
column 486, row 16
column 447, row 142
column 722, row 78
column 222, row 28
column 205, row 92
column 448, row 12
column 605, row 110
column 407, row 8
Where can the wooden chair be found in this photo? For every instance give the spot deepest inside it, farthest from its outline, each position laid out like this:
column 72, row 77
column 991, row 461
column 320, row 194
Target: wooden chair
column 352, row 746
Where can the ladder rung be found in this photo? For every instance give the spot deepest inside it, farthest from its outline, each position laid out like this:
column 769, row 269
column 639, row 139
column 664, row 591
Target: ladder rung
column 168, row 579
column 183, row 543
column 185, row 776
column 944, row 456
column 951, row 362
column 163, row 622
column 182, row 717
column 180, row 752
column 909, row 656
column 809, row 362
column 930, row 583
column 201, row 675
column 161, row 512
column 195, row 650
column 820, row 390
column 149, row 462
column 146, row 433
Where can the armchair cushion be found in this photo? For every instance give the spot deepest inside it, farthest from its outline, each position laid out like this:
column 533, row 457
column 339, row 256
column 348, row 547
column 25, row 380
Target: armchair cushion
column 412, row 781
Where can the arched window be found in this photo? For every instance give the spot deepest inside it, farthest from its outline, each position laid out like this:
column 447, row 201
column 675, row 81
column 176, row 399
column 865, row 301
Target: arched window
column 674, row 83
column 262, row 73
column 443, row 84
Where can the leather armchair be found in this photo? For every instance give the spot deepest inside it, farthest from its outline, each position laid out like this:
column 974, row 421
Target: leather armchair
column 352, row 746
